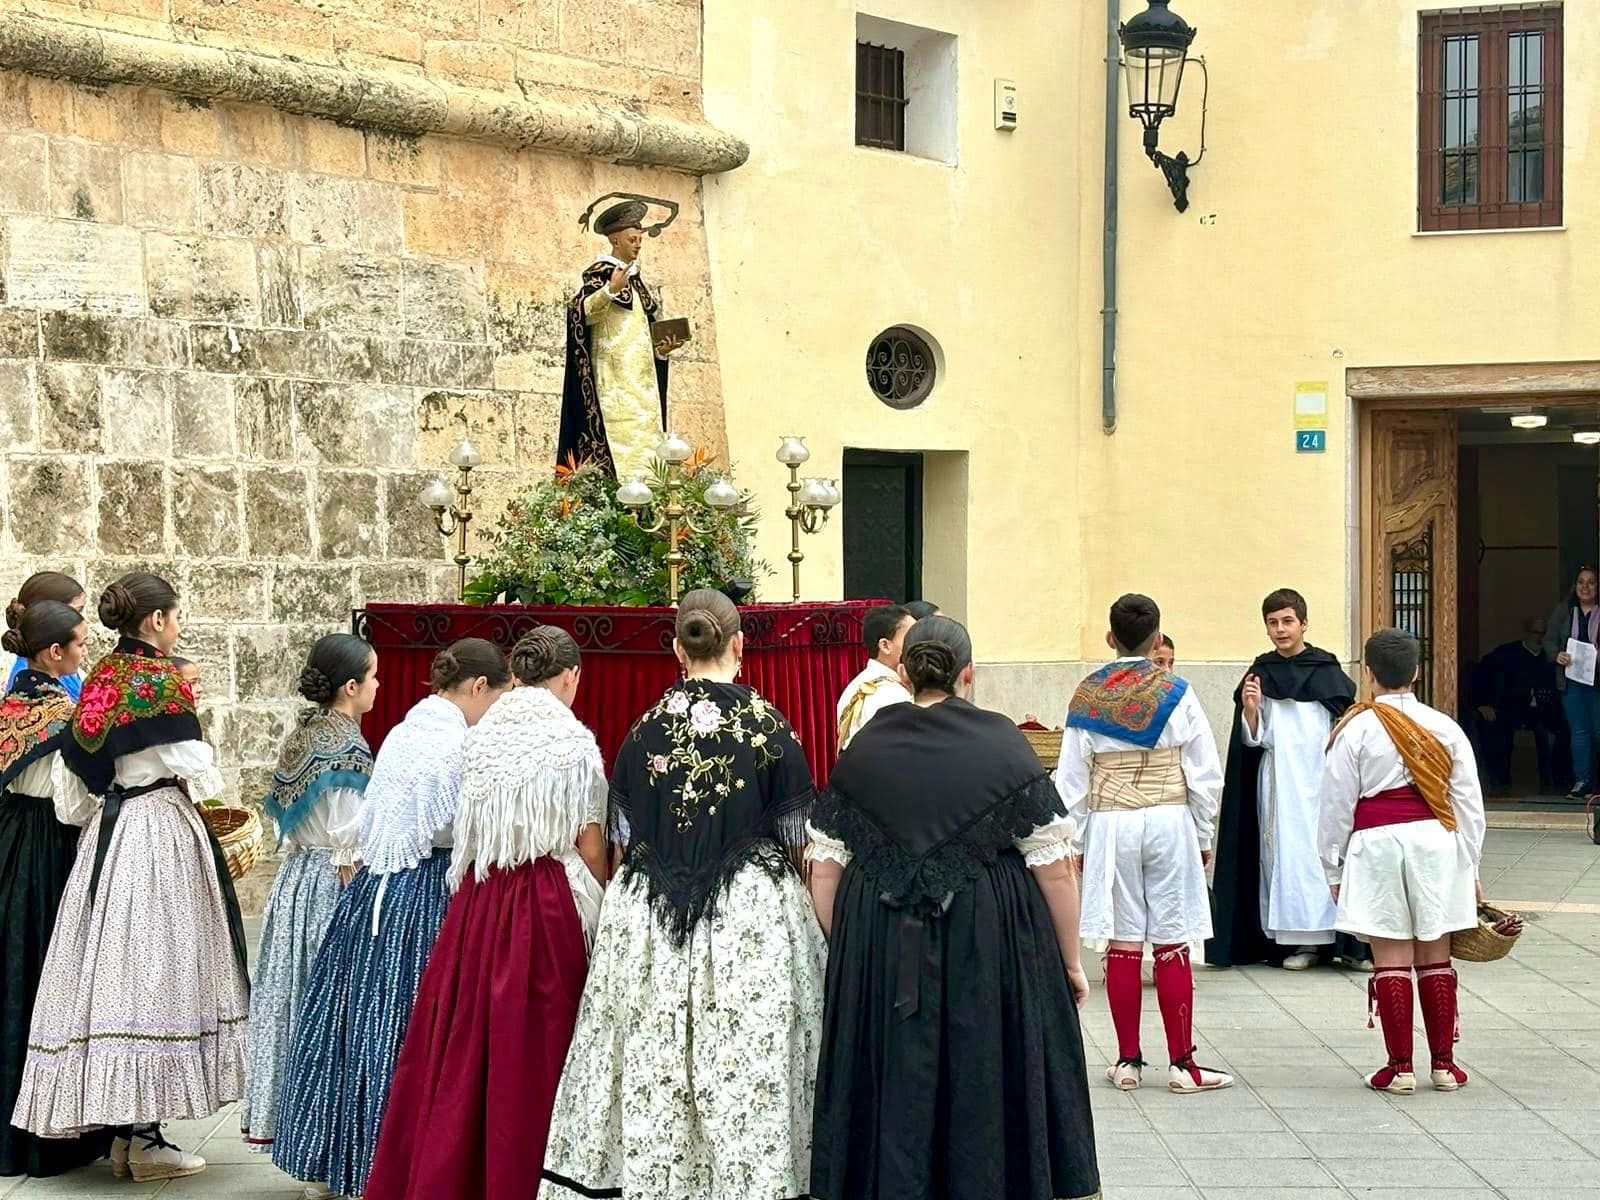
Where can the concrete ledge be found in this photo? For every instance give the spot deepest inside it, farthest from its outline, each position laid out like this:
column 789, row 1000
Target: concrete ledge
column 367, row 96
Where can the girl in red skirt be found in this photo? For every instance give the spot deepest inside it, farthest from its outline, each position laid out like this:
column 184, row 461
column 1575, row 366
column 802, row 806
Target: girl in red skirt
column 469, row 1110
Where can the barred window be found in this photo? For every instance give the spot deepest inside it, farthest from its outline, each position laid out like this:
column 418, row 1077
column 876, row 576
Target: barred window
column 1489, row 118
column 880, row 96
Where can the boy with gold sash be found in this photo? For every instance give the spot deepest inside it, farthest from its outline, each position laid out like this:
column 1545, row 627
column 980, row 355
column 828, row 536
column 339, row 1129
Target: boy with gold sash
column 1141, row 780
column 878, row 685
column 1401, row 833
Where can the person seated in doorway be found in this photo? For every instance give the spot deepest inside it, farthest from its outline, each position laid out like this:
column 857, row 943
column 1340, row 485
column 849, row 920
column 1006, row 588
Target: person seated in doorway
column 878, row 685
column 1514, row 687
column 1165, row 654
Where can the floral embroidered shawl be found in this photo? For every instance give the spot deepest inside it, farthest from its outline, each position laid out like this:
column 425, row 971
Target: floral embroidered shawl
column 133, row 699
column 711, row 778
column 1128, row 700
column 35, row 718
column 325, row 751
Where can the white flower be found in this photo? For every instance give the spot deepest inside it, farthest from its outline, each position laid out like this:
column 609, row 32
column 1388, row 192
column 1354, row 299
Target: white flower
column 758, row 740
column 705, row 717
column 678, row 703
column 658, row 765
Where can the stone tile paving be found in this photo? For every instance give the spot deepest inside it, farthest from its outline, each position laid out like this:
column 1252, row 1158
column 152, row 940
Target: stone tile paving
column 1297, row 1126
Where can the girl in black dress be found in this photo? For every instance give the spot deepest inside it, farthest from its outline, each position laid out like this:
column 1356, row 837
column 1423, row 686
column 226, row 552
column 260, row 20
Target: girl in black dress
column 952, row 1064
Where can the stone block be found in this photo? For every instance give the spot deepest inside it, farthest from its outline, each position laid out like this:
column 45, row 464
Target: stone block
column 203, row 278
column 417, row 364
column 253, row 132
column 311, row 595
column 279, row 284
column 85, row 181
column 265, row 666
column 277, row 512
column 347, row 515
column 133, row 507
column 202, row 416
column 205, row 643
column 49, row 505
column 469, row 62
column 205, row 512
column 49, row 105
column 409, row 526
column 538, row 424
column 346, row 357
column 132, row 341
column 244, row 201
column 24, row 182
column 99, row 114
column 594, row 29
column 188, row 124
column 491, row 493
column 532, row 24
column 477, row 366
column 69, row 407
column 232, row 349
column 354, row 425
column 161, row 191
column 224, row 591
column 19, row 426
column 392, row 583
column 444, row 418
column 264, row 416
column 412, row 159
column 134, row 412
column 74, row 265
column 253, row 735
column 450, row 226
column 19, row 333
column 664, row 36
column 527, row 310
column 334, row 149
column 348, row 292
column 355, row 39
column 444, row 301
column 346, row 214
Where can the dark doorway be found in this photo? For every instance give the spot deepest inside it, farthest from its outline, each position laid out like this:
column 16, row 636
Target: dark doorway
column 882, row 525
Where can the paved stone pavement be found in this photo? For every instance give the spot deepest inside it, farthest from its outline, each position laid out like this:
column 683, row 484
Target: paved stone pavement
column 1298, row 1125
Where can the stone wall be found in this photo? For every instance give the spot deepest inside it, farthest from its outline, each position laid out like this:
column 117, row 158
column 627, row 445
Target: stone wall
column 235, row 341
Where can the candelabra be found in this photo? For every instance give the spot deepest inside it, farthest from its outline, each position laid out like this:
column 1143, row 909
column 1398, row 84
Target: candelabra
column 452, row 514
column 810, row 500
column 671, row 518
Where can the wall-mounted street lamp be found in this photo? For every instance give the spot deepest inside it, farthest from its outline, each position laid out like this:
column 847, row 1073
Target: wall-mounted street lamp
column 1155, row 47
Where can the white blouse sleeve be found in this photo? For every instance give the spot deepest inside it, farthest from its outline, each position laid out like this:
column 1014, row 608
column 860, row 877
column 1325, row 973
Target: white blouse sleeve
column 196, row 765
column 823, row 848
column 74, row 805
column 1048, row 843
column 594, row 803
column 344, row 825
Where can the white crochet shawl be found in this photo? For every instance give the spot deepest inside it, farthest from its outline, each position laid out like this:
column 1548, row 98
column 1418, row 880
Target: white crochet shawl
column 532, row 777
column 411, row 798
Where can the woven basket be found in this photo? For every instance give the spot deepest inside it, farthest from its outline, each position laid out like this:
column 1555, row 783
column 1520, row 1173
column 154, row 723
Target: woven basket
column 1483, row 943
column 239, row 832
column 1046, row 744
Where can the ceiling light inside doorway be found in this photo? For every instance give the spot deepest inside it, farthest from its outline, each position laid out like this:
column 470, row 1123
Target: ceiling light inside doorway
column 1587, row 437
column 1530, row 420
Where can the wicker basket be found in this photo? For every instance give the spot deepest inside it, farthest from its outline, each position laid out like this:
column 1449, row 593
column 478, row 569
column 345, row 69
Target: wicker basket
column 1046, row 744
column 1483, row 943
column 239, row 832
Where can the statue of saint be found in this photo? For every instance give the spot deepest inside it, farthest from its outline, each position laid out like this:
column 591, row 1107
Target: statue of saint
column 614, row 396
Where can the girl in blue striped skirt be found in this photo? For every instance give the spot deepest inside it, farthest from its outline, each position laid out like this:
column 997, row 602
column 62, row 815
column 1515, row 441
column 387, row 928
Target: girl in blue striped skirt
column 364, row 982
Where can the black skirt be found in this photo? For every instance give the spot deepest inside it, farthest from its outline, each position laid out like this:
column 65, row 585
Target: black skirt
column 36, row 856
column 981, row 1091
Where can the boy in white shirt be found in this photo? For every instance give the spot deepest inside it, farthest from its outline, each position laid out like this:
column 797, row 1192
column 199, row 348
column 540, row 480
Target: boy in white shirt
column 878, row 685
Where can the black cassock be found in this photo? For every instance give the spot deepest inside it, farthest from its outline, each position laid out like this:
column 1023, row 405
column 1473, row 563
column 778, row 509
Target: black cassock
column 1315, row 676
column 952, row 1062
column 583, row 426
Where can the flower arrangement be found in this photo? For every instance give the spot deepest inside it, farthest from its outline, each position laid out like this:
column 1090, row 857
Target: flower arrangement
column 566, row 540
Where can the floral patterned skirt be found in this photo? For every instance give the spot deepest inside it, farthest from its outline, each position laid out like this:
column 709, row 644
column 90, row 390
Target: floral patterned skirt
column 693, row 1068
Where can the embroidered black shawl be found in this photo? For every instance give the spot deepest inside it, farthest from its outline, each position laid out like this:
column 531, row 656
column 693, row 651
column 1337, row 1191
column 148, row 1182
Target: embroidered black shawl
column 133, row 699
column 926, row 799
column 709, row 779
column 35, row 719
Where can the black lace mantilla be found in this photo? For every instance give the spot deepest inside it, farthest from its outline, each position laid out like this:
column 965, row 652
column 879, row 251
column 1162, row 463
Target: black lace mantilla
column 922, row 883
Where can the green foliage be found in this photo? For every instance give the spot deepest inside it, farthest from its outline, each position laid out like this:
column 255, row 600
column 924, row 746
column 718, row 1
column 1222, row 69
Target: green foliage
column 566, row 540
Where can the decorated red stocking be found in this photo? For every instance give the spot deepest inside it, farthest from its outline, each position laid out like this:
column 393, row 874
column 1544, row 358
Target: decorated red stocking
column 1389, row 993
column 1175, row 994
column 1123, row 986
column 1436, row 990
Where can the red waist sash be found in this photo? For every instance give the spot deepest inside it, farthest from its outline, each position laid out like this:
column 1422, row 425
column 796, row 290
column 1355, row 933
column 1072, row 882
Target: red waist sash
column 1396, row 806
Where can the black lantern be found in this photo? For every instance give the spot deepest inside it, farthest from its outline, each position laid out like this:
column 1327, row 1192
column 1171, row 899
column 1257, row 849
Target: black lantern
column 1155, row 48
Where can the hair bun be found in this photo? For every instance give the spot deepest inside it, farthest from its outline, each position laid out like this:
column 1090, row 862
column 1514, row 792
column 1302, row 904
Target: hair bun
column 316, row 686
column 14, row 612
column 931, row 665
column 117, row 606
column 11, row 641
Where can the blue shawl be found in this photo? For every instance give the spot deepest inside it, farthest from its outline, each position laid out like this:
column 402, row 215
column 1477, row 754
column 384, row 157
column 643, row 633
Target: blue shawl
column 325, row 751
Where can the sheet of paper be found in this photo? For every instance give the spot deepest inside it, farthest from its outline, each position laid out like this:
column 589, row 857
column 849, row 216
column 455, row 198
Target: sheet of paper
column 1582, row 665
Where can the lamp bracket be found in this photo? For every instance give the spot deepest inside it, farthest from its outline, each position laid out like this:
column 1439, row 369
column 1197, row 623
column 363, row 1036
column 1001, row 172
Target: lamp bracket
column 1176, row 168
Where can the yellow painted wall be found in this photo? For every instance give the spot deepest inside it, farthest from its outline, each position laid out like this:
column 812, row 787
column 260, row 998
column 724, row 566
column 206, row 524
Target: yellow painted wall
column 1297, row 259
column 817, row 245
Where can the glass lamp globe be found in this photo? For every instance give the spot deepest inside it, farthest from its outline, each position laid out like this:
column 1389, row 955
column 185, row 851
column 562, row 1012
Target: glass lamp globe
column 722, row 494
column 814, row 493
column 465, row 455
column 792, row 451
column 834, row 495
column 674, row 449
column 436, row 495
column 635, row 493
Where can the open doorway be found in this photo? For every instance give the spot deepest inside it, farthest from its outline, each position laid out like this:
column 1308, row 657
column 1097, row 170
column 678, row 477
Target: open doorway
column 1528, row 521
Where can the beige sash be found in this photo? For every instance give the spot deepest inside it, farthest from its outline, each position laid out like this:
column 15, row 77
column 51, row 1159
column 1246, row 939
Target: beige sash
column 1132, row 779
column 851, row 716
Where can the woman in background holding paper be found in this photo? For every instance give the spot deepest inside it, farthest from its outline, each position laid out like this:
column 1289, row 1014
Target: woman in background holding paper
column 1570, row 641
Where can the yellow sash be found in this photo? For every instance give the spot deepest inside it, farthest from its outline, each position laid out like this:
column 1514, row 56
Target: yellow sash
column 852, row 710
column 1426, row 760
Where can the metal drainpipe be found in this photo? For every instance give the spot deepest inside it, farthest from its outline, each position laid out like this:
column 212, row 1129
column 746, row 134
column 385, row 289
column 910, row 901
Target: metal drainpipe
column 1108, row 250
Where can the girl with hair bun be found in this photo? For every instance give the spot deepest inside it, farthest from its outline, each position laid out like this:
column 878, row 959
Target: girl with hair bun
column 364, row 980
column 952, row 1063
column 315, row 804
column 693, row 1064
column 144, row 994
column 36, row 854
column 508, row 968
column 45, row 585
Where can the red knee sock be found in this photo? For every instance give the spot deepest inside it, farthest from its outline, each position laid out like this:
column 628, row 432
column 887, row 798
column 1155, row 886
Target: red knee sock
column 1389, row 993
column 1175, row 994
column 1436, row 991
column 1123, row 985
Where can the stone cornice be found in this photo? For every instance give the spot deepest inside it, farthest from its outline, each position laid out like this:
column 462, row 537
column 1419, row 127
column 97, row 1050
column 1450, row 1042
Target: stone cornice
column 368, row 96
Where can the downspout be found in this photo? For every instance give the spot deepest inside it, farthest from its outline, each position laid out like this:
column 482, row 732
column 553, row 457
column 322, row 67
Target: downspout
column 1108, row 250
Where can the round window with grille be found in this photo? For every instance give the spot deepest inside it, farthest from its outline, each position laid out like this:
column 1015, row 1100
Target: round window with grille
column 900, row 367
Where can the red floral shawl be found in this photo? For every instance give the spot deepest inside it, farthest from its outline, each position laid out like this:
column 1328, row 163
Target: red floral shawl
column 133, row 699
